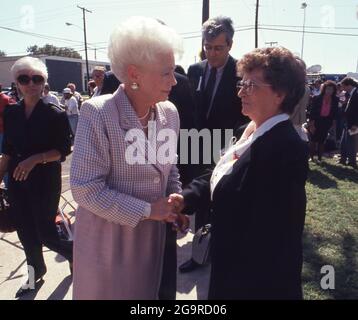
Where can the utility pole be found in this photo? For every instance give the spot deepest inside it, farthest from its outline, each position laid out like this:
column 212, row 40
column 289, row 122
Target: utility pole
column 204, row 17
column 257, row 24
column 205, row 14
column 84, row 10
column 303, row 6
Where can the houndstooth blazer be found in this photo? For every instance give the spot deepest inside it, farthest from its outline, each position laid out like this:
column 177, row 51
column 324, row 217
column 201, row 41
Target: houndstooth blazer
column 114, row 247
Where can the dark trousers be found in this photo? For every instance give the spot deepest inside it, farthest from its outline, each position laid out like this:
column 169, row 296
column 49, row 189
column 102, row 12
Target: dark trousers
column 349, row 147
column 168, row 286
column 35, row 222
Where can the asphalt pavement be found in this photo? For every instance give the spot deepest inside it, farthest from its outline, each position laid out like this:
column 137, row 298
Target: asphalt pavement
column 57, row 284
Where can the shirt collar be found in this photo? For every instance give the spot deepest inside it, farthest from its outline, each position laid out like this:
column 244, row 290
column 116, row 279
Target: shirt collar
column 269, row 124
column 219, row 70
column 352, row 91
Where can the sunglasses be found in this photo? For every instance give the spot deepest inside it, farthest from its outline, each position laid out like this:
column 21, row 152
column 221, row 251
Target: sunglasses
column 25, row 79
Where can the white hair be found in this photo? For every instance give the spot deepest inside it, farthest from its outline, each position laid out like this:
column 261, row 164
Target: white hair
column 138, row 41
column 29, row 63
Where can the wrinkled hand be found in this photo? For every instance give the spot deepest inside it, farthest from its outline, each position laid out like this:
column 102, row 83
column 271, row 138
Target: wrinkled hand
column 182, row 222
column 177, row 200
column 24, row 168
column 163, row 210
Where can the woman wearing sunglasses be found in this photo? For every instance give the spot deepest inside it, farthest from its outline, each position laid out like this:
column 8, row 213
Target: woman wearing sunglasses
column 36, row 140
column 257, row 189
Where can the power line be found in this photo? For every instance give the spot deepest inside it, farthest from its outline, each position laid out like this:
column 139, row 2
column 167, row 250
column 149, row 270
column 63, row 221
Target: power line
column 313, row 32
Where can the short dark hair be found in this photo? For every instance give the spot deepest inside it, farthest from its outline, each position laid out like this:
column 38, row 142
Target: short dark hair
column 349, row 81
column 285, row 72
column 215, row 26
column 329, row 83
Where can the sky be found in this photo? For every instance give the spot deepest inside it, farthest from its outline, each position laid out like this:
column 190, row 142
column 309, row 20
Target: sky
column 330, row 38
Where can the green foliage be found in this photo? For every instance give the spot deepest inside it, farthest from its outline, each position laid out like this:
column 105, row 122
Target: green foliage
column 51, row 50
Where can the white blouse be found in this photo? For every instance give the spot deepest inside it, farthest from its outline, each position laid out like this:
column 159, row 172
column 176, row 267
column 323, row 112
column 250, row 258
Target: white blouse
column 237, row 149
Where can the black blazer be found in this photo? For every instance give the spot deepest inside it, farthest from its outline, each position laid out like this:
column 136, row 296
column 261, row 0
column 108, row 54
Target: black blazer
column 181, row 96
column 258, row 213
column 225, row 112
column 110, row 83
column 351, row 111
column 317, row 106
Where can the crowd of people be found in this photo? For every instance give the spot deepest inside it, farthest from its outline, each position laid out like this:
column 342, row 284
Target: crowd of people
column 252, row 190
column 332, row 120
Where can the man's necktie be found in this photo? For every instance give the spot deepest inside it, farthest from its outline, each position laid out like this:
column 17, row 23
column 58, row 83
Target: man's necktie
column 209, row 89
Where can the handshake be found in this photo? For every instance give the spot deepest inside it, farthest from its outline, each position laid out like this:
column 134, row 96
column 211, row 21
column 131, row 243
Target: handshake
column 169, row 210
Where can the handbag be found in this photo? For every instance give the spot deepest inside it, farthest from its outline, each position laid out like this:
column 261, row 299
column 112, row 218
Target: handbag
column 201, row 245
column 7, row 223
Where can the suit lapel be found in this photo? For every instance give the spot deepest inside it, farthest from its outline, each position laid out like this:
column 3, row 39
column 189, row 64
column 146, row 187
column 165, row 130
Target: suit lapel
column 238, row 165
column 225, row 79
column 351, row 98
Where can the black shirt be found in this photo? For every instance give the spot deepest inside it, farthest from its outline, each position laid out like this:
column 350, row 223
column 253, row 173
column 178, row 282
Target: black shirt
column 47, row 128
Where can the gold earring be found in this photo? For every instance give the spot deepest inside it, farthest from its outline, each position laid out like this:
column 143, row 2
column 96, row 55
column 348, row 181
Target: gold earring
column 134, row 86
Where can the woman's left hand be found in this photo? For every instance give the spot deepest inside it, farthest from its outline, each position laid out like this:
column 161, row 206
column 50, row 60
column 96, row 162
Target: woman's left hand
column 24, row 168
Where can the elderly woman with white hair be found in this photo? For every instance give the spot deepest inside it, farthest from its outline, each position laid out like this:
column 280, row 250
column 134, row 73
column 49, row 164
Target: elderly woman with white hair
column 118, row 177
column 36, row 139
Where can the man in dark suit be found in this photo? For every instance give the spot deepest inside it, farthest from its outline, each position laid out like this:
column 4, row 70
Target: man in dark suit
column 182, row 98
column 349, row 137
column 110, row 83
column 214, row 83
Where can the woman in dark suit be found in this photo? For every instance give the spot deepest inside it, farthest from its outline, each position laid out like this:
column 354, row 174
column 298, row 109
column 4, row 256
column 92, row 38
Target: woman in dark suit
column 323, row 114
column 36, row 139
column 257, row 189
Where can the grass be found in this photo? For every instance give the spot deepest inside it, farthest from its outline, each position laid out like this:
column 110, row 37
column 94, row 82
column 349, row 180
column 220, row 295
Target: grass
column 331, row 230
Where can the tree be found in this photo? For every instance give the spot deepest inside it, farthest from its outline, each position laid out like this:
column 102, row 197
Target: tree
column 2, row 53
column 52, row 50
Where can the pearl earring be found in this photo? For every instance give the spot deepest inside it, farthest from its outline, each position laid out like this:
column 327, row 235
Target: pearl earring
column 134, row 86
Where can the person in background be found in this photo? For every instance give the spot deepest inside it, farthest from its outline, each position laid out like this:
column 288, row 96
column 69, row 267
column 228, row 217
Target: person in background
column 299, row 115
column 69, row 103
column 218, row 107
column 48, row 97
column 98, row 77
column 181, row 96
column 36, row 140
column 341, row 95
column 110, row 83
column 76, row 94
column 322, row 117
column 14, row 94
column 4, row 102
column 90, row 88
column 349, row 143
column 316, row 89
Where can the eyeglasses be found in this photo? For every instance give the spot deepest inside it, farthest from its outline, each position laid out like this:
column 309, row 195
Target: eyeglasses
column 208, row 47
column 24, row 79
column 248, row 86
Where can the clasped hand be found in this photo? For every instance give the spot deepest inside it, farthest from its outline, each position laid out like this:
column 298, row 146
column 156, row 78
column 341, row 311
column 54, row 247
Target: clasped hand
column 169, row 210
